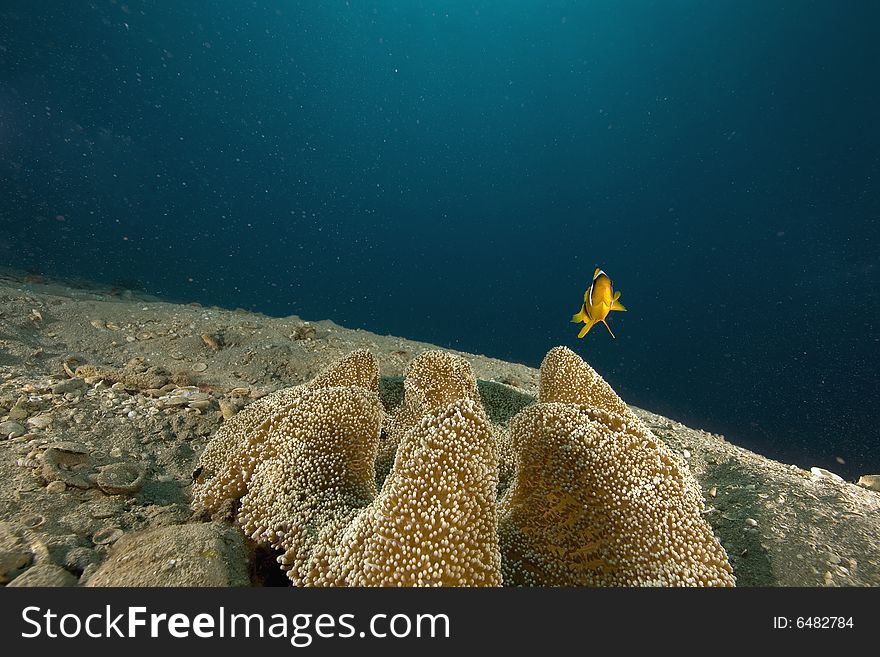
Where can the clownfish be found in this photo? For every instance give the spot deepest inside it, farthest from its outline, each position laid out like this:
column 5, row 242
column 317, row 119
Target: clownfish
column 599, row 300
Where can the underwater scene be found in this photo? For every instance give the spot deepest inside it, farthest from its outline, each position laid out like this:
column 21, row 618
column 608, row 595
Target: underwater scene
column 526, row 293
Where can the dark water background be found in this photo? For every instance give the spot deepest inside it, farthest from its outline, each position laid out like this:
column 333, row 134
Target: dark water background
column 453, row 172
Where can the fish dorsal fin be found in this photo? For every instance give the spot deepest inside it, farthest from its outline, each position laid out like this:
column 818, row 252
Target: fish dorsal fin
column 596, row 273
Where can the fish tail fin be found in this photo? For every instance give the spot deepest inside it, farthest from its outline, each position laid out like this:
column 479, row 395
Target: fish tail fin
column 586, row 328
column 609, row 328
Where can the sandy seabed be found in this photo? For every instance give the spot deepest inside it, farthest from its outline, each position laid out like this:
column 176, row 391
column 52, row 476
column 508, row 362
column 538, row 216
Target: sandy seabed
column 88, row 460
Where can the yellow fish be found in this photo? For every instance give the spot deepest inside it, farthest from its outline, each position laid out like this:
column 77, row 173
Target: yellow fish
column 599, row 300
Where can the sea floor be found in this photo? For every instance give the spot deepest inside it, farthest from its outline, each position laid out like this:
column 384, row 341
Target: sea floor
column 108, row 397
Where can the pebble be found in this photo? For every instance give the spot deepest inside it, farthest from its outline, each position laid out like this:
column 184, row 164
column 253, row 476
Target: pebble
column 69, row 446
column 202, row 554
column 44, row 575
column 227, row 410
column 305, row 332
column 509, row 379
column 11, row 429
column 39, row 421
column 686, row 454
column 751, row 522
column 18, row 412
column 69, row 385
column 107, row 536
column 871, row 482
column 56, row 486
column 199, row 367
column 118, row 387
column 822, row 473
column 79, row 558
column 102, row 510
column 713, row 491
column 15, row 553
column 129, row 338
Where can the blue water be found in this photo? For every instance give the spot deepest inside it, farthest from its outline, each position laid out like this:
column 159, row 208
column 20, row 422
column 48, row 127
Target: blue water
column 454, row 171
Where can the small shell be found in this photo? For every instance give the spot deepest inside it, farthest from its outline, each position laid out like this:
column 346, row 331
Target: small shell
column 121, row 478
column 199, row 367
column 34, row 521
column 98, row 324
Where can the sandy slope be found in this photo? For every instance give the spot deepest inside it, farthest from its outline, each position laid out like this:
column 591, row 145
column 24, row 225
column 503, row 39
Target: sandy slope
column 74, row 443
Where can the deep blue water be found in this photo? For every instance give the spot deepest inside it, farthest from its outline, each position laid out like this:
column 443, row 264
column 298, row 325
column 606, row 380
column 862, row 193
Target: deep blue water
column 453, row 172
